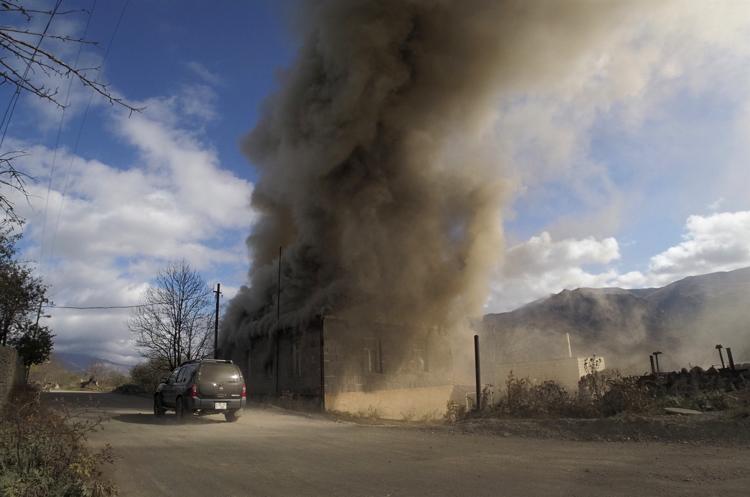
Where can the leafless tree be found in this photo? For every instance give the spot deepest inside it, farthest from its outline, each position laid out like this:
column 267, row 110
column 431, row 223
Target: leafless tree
column 175, row 321
column 25, row 63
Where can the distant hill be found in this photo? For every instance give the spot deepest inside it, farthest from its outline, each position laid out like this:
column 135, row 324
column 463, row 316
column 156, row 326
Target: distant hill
column 79, row 363
column 685, row 320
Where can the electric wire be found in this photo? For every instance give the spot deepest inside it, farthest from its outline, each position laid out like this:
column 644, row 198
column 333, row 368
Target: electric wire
column 66, row 182
column 10, row 109
column 53, row 165
column 106, row 307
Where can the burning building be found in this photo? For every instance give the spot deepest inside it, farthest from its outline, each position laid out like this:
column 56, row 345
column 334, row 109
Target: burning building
column 379, row 176
column 359, row 368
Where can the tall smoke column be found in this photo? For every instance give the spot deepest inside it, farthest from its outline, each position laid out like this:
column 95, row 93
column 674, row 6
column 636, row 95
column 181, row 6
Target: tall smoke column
column 373, row 176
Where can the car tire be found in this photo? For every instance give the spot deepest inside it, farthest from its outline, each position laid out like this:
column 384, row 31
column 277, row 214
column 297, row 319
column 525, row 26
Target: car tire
column 158, row 406
column 180, row 410
column 231, row 416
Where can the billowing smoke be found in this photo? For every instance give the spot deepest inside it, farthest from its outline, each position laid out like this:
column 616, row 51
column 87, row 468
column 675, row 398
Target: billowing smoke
column 376, row 170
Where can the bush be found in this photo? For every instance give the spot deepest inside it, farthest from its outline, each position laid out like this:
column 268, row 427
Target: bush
column 609, row 393
column 524, row 399
column 147, row 375
column 624, row 394
column 43, row 452
column 600, row 394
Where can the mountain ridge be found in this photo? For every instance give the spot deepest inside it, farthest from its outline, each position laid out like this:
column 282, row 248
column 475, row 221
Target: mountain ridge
column 686, row 318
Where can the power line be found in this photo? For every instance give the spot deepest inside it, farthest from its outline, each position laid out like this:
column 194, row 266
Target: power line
column 104, row 307
column 94, row 307
column 59, row 134
column 10, row 109
column 80, row 132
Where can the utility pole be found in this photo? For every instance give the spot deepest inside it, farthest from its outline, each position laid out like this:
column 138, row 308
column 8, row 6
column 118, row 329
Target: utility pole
column 477, row 375
column 39, row 312
column 216, row 321
column 278, row 293
column 278, row 328
column 38, row 315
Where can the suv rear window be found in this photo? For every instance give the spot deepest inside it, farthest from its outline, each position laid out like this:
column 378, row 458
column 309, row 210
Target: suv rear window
column 225, row 373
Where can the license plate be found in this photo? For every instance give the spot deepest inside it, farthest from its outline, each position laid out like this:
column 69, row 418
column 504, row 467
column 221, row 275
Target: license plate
column 220, row 405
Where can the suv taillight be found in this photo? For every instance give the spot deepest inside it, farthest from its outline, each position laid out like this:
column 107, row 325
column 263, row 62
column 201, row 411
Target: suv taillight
column 244, row 392
column 194, row 391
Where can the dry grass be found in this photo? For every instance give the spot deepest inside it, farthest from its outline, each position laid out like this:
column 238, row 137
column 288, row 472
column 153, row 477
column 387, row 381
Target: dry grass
column 605, row 394
column 43, row 452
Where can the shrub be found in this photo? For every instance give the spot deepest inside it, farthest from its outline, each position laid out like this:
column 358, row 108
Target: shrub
column 523, row 398
column 43, row 452
column 624, row 394
column 454, row 411
column 148, row 374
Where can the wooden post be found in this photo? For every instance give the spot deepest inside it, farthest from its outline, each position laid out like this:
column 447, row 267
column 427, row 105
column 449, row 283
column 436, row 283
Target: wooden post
column 477, row 373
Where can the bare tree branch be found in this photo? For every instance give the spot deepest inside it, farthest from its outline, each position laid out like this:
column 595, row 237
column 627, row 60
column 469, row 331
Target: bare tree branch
column 26, row 63
column 12, row 179
column 175, row 321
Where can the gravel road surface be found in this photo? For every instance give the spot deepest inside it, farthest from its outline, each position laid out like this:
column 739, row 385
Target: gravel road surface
column 270, row 452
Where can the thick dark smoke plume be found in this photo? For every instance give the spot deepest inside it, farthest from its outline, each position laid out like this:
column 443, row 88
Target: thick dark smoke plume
column 375, row 172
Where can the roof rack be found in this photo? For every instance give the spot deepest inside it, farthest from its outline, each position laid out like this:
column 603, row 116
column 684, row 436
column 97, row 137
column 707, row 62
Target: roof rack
column 193, row 361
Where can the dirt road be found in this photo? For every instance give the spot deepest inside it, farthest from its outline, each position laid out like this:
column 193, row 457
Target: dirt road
column 272, row 453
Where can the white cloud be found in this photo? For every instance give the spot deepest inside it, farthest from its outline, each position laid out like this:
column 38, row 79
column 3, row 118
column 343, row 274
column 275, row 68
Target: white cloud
column 632, row 78
column 541, row 265
column 114, row 228
column 637, row 81
column 718, row 242
column 204, row 73
column 540, row 254
column 199, row 101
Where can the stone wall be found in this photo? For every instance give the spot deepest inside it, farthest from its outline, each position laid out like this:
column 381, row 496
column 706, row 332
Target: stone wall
column 11, row 372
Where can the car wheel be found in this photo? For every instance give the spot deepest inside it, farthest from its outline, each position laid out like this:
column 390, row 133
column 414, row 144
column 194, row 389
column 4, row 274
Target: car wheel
column 158, row 406
column 179, row 410
column 231, row 416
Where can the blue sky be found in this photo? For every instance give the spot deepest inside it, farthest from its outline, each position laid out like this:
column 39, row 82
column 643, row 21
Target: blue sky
column 628, row 171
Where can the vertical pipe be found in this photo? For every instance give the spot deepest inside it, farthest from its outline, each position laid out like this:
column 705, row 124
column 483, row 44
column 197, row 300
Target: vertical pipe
column 721, row 357
column 656, row 358
column 731, row 359
column 477, row 373
column 653, row 368
column 570, row 350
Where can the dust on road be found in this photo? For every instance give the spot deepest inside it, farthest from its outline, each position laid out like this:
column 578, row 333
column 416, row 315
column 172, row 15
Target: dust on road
column 273, row 453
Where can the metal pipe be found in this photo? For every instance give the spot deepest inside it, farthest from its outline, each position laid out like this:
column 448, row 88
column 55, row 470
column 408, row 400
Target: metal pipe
column 656, row 358
column 721, row 356
column 731, row 359
column 477, row 373
column 653, row 368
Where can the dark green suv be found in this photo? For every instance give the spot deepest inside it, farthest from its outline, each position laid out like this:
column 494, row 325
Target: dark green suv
column 202, row 386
